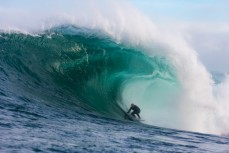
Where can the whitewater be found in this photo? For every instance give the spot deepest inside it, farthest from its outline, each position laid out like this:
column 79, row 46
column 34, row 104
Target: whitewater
column 68, row 74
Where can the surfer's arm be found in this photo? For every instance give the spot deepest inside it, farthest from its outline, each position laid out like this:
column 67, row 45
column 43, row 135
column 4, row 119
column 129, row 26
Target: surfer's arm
column 129, row 109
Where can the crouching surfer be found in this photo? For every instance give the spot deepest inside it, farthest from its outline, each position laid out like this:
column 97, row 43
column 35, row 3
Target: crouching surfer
column 136, row 110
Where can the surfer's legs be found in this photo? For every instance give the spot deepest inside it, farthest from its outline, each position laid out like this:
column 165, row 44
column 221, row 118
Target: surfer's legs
column 138, row 116
column 133, row 114
column 137, row 113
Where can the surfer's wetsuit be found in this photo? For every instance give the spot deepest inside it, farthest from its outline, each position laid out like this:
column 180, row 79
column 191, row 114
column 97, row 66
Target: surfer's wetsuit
column 136, row 110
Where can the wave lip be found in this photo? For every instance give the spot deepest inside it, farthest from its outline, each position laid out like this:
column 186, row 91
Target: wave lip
column 88, row 64
column 200, row 105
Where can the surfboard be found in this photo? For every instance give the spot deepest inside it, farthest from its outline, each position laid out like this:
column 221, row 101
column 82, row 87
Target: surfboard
column 131, row 118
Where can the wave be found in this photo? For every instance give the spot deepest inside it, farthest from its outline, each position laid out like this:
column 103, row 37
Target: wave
column 110, row 55
column 95, row 69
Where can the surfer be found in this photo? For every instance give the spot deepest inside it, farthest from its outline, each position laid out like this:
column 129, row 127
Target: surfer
column 136, row 110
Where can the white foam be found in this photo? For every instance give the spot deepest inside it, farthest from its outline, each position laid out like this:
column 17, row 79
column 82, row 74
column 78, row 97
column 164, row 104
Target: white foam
column 196, row 108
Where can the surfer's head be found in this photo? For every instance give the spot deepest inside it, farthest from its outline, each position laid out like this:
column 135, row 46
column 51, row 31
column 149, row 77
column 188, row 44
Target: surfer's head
column 132, row 104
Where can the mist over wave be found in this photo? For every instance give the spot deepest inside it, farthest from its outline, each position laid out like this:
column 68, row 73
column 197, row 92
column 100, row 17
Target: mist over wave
column 170, row 67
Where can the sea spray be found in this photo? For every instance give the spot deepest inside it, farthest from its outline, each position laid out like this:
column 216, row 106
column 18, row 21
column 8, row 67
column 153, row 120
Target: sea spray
column 196, row 107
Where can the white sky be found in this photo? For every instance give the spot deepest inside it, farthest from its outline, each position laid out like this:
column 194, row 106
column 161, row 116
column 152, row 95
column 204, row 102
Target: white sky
column 204, row 23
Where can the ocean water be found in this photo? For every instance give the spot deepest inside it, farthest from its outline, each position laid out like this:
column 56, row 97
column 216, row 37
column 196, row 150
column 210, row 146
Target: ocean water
column 61, row 91
column 67, row 77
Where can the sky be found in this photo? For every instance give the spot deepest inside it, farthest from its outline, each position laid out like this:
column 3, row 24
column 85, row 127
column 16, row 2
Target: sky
column 203, row 23
column 192, row 10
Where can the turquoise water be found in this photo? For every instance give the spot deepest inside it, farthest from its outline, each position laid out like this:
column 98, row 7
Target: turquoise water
column 65, row 90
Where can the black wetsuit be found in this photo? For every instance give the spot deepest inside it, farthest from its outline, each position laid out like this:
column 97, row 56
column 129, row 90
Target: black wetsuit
column 136, row 110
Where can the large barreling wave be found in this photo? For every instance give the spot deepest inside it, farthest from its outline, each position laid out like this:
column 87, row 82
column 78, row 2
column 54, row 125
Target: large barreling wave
column 90, row 65
column 109, row 60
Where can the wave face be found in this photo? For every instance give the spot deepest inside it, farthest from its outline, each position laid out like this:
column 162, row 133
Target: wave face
column 89, row 66
column 109, row 56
